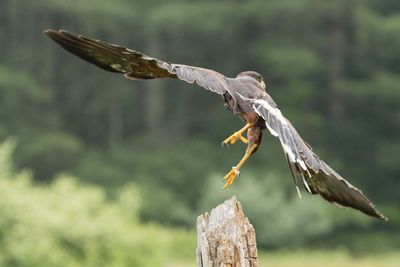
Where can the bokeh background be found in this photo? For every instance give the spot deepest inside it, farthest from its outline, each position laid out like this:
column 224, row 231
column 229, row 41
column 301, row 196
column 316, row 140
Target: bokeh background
column 97, row 170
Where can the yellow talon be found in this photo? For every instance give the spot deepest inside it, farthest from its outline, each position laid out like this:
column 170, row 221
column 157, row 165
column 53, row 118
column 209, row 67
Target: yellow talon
column 231, row 177
column 234, row 173
column 234, row 138
column 237, row 135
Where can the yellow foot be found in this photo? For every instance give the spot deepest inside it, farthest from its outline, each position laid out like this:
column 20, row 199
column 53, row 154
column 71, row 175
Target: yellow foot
column 231, row 177
column 234, row 138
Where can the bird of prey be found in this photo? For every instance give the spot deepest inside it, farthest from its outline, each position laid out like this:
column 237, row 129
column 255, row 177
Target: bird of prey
column 245, row 96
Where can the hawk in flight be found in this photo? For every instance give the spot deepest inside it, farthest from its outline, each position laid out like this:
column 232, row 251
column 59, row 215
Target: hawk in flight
column 245, row 96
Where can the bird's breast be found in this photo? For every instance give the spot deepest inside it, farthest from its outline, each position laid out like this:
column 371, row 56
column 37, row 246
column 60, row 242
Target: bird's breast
column 253, row 118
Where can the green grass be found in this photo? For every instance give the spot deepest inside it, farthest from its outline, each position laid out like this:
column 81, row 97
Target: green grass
column 327, row 259
column 335, row 258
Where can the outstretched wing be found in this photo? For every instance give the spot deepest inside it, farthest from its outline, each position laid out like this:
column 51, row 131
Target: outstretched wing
column 316, row 175
column 133, row 64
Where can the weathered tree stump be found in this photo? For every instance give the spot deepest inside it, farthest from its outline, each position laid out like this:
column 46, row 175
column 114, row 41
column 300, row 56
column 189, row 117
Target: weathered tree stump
column 226, row 237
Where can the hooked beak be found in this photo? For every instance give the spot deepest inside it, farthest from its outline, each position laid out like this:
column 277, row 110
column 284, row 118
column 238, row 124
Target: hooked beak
column 263, row 85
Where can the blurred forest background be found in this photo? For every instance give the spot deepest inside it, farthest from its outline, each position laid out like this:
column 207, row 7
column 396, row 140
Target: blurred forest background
column 97, row 170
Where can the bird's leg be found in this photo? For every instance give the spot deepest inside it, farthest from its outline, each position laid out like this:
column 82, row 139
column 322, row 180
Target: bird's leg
column 234, row 173
column 238, row 135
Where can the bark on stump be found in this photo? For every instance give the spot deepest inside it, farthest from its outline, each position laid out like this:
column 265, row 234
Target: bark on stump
column 225, row 237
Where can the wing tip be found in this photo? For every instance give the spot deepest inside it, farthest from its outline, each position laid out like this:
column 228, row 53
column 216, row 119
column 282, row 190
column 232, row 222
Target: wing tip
column 56, row 34
column 382, row 217
column 379, row 215
column 50, row 32
column 374, row 212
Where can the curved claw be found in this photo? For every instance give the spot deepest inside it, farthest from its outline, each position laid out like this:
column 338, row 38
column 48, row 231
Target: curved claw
column 234, row 138
column 224, row 145
column 231, row 177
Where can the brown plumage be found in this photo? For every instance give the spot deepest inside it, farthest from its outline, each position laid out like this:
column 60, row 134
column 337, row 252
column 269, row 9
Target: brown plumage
column 245, row 96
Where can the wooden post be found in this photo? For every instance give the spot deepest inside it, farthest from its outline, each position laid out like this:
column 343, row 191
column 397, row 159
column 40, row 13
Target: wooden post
column 226, row 237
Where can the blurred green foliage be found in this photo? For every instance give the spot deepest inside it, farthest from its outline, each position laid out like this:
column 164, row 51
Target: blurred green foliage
column 332, row 67
column 65, row 223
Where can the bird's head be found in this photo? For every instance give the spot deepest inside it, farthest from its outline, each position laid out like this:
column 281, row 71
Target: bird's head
column 254, row 75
